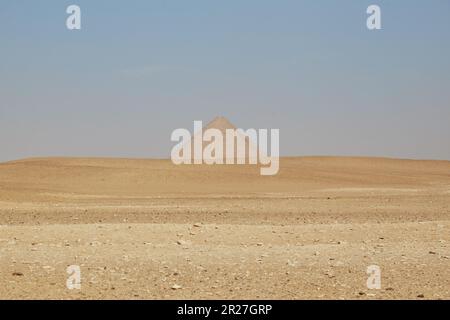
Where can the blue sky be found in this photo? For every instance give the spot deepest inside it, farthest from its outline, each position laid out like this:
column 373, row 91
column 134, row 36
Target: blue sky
column 140, row 69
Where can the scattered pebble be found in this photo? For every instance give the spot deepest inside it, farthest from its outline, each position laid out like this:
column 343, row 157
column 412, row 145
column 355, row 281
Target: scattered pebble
column 182, row 242
column 329, row 274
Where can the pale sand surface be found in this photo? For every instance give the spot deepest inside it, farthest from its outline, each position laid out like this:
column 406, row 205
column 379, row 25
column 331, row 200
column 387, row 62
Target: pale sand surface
column 309, row 232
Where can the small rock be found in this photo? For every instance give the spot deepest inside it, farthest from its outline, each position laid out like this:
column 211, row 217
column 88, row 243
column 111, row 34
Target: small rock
column 197, row 225
column 431, row 252
column 421, row 296
column 17, row 274
column 176, row 287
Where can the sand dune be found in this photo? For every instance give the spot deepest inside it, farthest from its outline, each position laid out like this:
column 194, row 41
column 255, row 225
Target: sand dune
column 308, row 232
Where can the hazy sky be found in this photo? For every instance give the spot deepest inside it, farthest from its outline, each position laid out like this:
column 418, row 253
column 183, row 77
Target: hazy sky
column 140, row 69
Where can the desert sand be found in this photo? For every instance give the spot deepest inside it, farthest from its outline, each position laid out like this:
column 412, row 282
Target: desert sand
column 147, row 229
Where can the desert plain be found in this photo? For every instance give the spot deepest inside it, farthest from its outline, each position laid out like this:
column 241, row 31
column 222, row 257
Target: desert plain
column 147, row 229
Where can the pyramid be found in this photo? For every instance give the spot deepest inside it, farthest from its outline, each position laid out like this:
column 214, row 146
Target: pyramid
column 222, row 124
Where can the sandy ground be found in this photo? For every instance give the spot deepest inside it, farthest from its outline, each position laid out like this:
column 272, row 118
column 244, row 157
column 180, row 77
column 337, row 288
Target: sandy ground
column 146, row 229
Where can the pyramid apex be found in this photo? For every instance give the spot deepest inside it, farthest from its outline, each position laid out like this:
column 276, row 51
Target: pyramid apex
column 221, row 123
